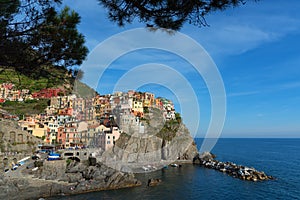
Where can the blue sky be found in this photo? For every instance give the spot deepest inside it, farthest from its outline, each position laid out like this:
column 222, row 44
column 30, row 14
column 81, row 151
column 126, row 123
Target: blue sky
column 256, row 48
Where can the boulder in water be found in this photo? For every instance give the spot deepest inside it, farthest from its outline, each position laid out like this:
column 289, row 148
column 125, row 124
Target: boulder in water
column 154, row 182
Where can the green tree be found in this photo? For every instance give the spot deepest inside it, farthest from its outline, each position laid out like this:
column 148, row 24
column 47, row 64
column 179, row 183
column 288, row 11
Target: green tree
column 34, row 34
column 178, row 117
column 170, row 14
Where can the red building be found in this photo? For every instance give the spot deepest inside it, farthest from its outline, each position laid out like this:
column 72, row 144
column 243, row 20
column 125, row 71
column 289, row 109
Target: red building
column 47, row 93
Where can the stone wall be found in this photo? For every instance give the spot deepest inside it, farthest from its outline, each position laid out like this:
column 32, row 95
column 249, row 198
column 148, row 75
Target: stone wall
column 15, row 144
column 12, row 133
column 14, row 139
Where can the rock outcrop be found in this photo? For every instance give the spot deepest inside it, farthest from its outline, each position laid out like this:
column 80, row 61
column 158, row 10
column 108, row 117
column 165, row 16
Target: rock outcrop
column 162, row 143
column 57, row 178
column 153, row 182
column 208, row 160
column 132, row 153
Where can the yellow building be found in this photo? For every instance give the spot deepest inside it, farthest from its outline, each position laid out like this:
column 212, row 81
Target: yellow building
column 138, row 108
column 33, row 127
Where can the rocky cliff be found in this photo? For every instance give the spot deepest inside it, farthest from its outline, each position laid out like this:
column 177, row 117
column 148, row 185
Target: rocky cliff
column 162, row 143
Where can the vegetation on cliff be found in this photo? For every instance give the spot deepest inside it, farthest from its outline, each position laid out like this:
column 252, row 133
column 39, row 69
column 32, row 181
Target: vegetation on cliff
column 27, row 107
column 44, row 77
column 168, row 131
column 156, row 125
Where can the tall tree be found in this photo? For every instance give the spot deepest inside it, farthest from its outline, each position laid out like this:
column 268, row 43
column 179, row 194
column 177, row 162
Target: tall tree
column 170, row 14
column 34, row 34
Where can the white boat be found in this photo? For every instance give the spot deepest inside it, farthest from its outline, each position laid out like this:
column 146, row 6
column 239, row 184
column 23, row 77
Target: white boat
column 14, row 167
column 53, row 156
column 22, row 161
column 145, row 168
column 34, row 169
column 223, row 170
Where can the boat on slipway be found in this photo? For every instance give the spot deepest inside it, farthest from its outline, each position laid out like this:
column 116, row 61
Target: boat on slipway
column 53, row 156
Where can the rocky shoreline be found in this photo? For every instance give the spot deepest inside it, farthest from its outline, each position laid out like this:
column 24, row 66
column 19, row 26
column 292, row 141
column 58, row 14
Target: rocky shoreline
column 208, row 160
column 55, row 178
column 113, row 169
column 59, row 178
column 116, row 167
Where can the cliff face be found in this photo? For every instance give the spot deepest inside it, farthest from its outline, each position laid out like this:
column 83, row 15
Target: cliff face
column 161, row 144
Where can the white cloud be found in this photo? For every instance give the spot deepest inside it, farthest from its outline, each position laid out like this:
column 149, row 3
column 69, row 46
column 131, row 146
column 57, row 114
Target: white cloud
column 290, row 85
column 238, row 94
column 239, row 30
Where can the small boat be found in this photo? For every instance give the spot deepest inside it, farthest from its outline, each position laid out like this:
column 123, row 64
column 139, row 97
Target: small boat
column 53, row 156
column 34, row 169
column 174, row 165
column 145, row 168
column 223, row 170
column 14, row 167
column 22, row 161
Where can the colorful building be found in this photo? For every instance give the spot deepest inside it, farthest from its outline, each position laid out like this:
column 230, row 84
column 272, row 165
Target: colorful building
column 47, row 93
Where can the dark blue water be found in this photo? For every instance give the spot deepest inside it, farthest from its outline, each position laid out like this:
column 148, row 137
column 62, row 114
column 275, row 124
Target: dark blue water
column 277, row 157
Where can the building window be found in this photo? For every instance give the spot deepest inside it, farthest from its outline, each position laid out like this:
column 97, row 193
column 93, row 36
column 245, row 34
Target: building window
column 108, row 142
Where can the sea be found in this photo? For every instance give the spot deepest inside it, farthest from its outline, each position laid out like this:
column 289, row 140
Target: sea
column 276, row 157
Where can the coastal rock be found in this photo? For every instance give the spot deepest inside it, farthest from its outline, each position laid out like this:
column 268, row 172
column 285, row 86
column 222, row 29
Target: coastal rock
column 116, row 178
column 207, row 159
column 24, row 188
column 75, row 167
column 93, row 172
column 154, row 182
column 54, row 179
column 53, row 170
column 74, row 177
column 122, row 180
column 132, row 152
